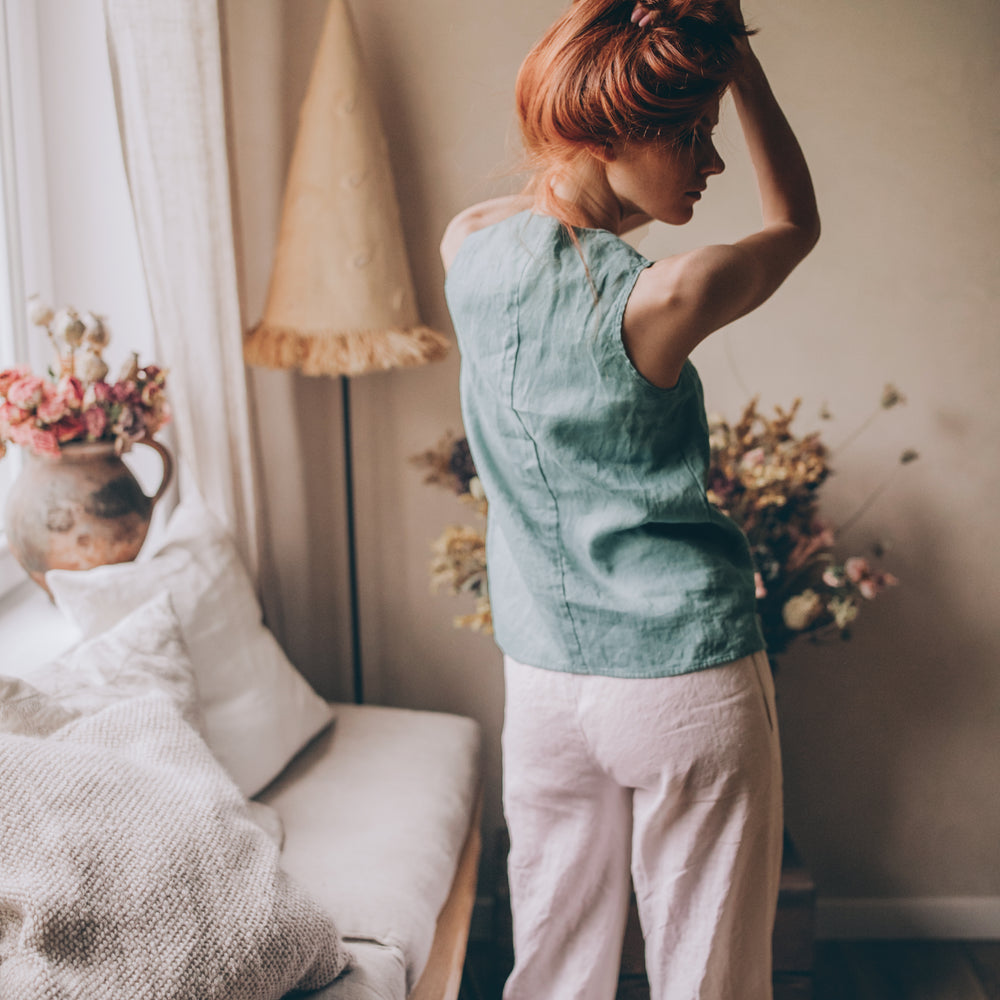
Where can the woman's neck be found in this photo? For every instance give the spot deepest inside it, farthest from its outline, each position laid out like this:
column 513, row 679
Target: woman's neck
column 584, row 186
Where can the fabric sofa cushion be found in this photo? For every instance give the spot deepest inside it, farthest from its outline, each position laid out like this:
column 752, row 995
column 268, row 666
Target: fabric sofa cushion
column 376, row 972
column 381, row 853
column 143, row 652
column 258, row 710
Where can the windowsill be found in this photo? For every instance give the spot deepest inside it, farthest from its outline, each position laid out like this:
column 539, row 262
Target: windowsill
column 11, row 574
column 32, row 629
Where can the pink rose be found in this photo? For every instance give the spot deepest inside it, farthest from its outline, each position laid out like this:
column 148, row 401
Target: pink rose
column 96, row 421
column 43, row 442
column 97, row 392
column 856, row 569
column 26, row 392
column 11, row 414
column 21, row 433
column 70, row 428
column 70, row 390
column 9, row 376
column 52, row 407
column 125, row 392
column 60, row 400
column 869, row 588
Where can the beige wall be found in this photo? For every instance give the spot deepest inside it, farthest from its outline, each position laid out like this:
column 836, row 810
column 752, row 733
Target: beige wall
column 890, row 741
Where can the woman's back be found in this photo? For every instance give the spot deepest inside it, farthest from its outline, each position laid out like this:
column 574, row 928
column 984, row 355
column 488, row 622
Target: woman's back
column 604, row 554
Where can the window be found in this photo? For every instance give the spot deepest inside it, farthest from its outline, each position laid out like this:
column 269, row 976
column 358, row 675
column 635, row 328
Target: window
column 13, row 346
column 67, row 230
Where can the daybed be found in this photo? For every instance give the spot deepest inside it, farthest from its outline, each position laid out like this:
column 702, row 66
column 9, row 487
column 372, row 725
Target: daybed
column 380, row 823
column 183, row 817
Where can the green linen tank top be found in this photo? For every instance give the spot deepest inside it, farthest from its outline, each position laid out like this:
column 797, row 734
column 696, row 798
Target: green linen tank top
column 604, row 555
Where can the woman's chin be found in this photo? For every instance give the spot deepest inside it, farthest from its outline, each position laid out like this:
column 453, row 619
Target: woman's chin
column 680, row 216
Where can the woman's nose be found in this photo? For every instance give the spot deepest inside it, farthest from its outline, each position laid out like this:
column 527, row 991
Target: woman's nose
column 711, row 163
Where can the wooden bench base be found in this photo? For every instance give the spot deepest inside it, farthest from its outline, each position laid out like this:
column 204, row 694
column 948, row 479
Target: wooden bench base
column 442, row 975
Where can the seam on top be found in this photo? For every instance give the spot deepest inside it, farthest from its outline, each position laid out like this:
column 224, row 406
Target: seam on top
column 538, row 462
column 702, row 486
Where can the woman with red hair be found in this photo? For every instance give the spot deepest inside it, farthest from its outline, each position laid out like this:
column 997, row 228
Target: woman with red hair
column 639, row 734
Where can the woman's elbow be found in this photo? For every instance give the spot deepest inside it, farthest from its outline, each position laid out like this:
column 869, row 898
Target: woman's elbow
column 813, row 230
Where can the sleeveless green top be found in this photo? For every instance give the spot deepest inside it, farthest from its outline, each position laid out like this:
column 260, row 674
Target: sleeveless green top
column 604, row 555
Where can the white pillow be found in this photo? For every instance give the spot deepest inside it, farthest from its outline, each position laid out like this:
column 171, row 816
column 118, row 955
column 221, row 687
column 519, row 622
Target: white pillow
column 144, row 652
column 131, row 868
column 258, row 710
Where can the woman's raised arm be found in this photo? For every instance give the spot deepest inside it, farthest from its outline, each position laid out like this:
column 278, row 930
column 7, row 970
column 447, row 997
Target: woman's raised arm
column 681, row 300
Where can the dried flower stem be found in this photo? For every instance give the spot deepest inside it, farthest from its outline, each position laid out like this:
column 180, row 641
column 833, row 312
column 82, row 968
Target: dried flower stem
column 856, row 433
column 867, row 503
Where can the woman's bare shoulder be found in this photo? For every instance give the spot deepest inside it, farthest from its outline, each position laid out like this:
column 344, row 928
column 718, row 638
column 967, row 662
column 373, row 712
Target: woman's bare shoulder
column 477, row 217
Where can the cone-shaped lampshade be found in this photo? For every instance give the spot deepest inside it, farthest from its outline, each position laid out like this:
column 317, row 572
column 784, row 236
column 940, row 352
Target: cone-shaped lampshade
column 341, row 299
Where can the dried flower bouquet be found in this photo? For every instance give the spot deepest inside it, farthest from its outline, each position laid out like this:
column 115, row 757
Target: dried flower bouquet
column 76, row 403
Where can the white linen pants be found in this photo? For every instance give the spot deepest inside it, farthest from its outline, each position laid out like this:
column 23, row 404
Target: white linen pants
column 676, row 780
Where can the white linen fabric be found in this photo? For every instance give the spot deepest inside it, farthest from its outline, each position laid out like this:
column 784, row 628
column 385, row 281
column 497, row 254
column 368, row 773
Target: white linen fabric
column 258, row 710
column 130, row 868
column 380, row 853
column 376, row 972
column 143, row 652
column 166, row 68
column 676, row 778
column 24, row 709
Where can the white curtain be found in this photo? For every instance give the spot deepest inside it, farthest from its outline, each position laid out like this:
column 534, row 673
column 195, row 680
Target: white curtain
column 167, row 71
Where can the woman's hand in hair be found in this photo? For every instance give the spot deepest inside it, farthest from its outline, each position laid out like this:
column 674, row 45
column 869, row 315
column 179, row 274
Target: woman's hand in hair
column 735, row 8
column 642, row 15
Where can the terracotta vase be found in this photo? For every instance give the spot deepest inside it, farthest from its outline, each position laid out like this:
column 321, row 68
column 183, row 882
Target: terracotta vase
column 79, row 509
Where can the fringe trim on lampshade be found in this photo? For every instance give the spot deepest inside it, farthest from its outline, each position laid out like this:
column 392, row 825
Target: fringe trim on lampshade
column 351, row 352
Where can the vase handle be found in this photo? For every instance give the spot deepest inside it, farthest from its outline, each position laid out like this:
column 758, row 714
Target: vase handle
column 168, row 466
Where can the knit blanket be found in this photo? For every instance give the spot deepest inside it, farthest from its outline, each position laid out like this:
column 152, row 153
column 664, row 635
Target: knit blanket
column 130, row 866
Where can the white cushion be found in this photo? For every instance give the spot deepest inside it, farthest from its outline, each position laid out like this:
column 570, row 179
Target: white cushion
column 258, row 710
column 131, row 869
column 377, row 972
column 144, row 652
column 376, row 812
